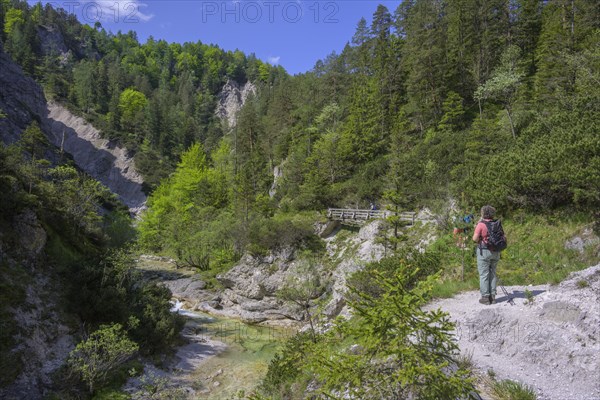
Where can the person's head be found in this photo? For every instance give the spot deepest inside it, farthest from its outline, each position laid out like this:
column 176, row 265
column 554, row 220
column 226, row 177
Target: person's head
column 488, row 212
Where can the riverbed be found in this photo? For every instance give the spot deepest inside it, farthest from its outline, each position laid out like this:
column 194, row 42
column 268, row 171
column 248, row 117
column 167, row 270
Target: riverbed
column 222, row 357
column 241, row 358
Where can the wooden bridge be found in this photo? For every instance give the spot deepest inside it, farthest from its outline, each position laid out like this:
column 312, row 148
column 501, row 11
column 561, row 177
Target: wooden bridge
column 350, row 216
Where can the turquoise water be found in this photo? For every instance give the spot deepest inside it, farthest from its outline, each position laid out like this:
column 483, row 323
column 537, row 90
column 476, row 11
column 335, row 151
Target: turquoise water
column 245, row 361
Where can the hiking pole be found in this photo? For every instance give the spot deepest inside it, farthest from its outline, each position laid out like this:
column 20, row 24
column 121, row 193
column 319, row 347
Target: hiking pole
column 510, row 299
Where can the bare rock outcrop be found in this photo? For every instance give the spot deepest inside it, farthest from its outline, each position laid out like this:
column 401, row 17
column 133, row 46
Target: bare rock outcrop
column 105, row 161
column 42, row 338
column 22, row 101
column 585, row 239
column 251, row 289
column 365, row 250
column 231, row 100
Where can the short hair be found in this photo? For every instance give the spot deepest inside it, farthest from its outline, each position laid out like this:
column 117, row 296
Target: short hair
column 488, row 212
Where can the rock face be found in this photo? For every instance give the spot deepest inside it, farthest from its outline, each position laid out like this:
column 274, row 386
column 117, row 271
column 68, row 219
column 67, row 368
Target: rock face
column 232, row 99
column 52, row 41
column 105, row 161
column 43, row 340
column 587, row 238
column 22, row 101
column 365, row 249
column 251, row 289
column 251, row 286
column 277, row 175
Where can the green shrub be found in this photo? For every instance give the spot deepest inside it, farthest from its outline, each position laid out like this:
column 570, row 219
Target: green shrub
column 384, row 351
column 511, row 390
column 367, row 280
column 280, row 232
column 101, row 354
column 158, row 327
column 109, row 291
column 582, row 284
column 284, row 376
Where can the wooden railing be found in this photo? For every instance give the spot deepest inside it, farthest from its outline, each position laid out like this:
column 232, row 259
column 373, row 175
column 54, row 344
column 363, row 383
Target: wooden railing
column 359, row 217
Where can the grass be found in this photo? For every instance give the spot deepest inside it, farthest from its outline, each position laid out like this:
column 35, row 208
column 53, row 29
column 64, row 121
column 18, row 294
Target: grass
column 582, row 284
column 535, row 255
column 511, row 390
column 449, row 288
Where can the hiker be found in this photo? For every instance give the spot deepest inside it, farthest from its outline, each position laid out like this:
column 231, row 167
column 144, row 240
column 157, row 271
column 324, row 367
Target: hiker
column 486, row 259
column 461, row 227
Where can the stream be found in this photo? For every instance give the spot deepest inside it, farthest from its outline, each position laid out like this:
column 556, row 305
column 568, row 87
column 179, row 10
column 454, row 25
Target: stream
column 224, row 356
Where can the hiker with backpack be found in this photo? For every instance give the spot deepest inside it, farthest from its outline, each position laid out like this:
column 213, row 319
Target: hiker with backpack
column 490, row 240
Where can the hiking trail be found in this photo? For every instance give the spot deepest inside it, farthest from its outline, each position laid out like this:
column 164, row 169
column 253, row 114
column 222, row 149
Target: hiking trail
column 549, row 340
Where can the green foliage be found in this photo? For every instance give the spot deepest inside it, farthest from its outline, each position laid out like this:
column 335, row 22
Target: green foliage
column 285, row 378
column 108, row 291
column 158, row 328
column 401, row 350
column 512, row 390
column 281, row 232
column 368, row 279
column 417, row 114
column 582, row 284
column 390, row 349
column 99, row 355
column 12, row 19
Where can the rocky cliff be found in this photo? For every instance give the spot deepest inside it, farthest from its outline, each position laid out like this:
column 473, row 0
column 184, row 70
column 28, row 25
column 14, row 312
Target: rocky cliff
column 232, row 99
column 32, row 310
column 105, row 161
column 22, row 101
column 250, row 288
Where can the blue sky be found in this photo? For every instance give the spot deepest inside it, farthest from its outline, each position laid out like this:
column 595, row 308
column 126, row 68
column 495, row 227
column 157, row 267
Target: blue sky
column 291, row 33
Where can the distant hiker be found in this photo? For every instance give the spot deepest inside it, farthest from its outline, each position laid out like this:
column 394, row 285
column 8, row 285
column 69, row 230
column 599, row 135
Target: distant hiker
column 488, row 253
column 373, row 206
column 461, row 227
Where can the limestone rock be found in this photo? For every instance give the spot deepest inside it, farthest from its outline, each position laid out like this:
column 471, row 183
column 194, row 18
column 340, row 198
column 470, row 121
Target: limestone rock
column 21, row 100
column 52, row 41
column 586, row 238
column 232, row 99
column 30, row 234
column 105, row 161
column 190, row 289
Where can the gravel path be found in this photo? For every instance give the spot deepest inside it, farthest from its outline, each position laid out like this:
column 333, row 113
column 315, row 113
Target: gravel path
column 551, row 343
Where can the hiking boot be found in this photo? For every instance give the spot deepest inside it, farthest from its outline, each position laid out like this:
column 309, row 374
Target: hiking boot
column 492, row 299
column 485, row 300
